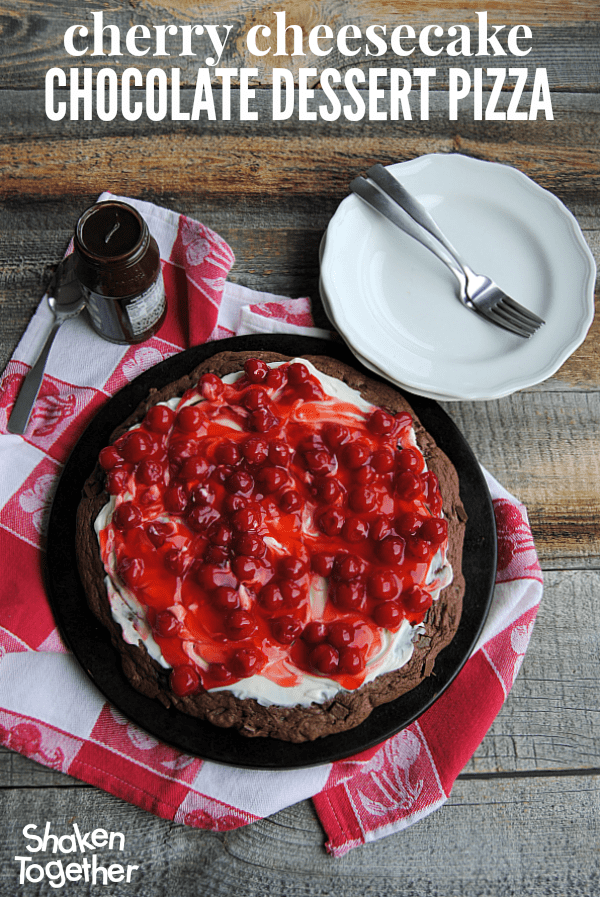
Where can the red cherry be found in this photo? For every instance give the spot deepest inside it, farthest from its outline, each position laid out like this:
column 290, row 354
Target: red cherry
column 408, row 459
column 355, row 530
column 404, row 420
column 388, row 614
column 418, row 548
column 311, row 391
column 331, row 521
column 250, row 545
column 175, row 561
column 256, row 370
column 364, row 475
column 297, row 374
column 356, row 454
column 136, row 445
column 176, row 499
column 383, row 460
column 216, row 555
column 290, row 501
column 350, row 596
column 126, row 516
column 381, row 423
column 159, row 531
column 109, row 457
column 239, row 624
column 352, row 661
column 184, row 680
column 408, row 524
column 293, row 568
column 159, row 418
column 336, row 435
column 315, row 632
column 270, row 597
column 219, row 534
column 211, row 576
column 279, row 453
column 240, row 482
column 434, row 530
column 202, row 496
column 228, row 453
column 322, row 563
column 195, row 468
column 319, row 461
column 380, row 528
column 291, row 591
column 211, row 387
column 200, row 518
column 226, row 598
column 116, row 481
column 340, row 634
column 263, row 420
column 247, row 661
column 408, row 484
column 189, row 418
column 254, row 398
column 247, row 519
column 286, row 629
column 247, row 569
column 218, row 672
column 431, row 489
column 383, row 585
column 181, row 449
column 270, row 479
column 149, row 472
column 165, row 624
column 416, row 600
column 255, row 449
column 362, row 499
column 324, row 659
column 276, row 378
column 347, row 567
column 233, row 503
column 391, row 550
column 131, row 571
column 329, row 490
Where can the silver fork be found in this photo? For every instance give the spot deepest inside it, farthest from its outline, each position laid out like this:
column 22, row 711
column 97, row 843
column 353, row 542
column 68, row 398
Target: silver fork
column 477, row 292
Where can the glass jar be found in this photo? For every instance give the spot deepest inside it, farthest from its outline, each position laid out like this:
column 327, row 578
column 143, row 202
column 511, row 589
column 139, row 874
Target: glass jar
column 118, row 267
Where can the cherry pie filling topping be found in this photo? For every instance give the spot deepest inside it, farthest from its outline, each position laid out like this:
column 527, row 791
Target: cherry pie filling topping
column 267, row 527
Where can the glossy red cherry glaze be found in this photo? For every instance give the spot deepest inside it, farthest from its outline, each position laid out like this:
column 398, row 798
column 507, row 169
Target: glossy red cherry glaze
column 286, row 550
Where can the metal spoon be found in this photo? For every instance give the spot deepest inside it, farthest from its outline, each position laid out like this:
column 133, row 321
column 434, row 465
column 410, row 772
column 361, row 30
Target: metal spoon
column 66, row 301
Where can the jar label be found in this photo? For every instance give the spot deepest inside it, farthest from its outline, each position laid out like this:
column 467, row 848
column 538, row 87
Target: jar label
column 147, row 308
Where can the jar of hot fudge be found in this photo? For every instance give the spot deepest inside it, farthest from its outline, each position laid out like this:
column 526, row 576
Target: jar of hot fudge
column 118, row 267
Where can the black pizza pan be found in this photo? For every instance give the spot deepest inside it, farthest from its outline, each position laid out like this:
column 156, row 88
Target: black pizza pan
column 90, row 642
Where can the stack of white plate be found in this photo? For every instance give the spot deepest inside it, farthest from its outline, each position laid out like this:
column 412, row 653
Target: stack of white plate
column 396, row 305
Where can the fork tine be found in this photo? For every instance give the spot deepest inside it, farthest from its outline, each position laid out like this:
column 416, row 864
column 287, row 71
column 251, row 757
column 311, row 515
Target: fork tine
column 524, row 313
column 496, row 317
column 511, row 319
column 508, row 315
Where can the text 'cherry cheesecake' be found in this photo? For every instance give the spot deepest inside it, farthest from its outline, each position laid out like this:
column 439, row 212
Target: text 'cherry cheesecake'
column 274, row 544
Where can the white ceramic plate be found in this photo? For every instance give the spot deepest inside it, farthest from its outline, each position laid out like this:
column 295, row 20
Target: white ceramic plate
column 395, row 304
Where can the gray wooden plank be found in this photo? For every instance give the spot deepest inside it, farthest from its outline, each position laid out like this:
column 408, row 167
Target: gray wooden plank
column 532, row 838
column 564, row 37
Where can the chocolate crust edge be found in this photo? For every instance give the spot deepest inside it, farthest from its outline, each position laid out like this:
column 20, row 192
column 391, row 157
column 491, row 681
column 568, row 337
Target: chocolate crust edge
column 293, row 724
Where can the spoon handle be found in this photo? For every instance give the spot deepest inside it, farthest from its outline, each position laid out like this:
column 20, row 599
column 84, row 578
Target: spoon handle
column 19, row 416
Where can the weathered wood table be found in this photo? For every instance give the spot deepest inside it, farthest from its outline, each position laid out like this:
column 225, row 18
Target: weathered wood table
column 523, row 818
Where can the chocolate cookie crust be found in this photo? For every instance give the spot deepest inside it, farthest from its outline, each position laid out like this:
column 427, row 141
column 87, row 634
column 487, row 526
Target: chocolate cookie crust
column 295, row 724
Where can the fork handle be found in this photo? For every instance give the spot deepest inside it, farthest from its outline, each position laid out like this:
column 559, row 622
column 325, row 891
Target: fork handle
column 394, row 189
column 387, row 207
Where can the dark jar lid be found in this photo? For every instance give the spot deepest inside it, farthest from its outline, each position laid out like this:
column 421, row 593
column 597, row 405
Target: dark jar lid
column 111, row 234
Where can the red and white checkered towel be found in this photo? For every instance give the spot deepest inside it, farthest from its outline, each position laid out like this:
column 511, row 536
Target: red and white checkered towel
column 51, row 712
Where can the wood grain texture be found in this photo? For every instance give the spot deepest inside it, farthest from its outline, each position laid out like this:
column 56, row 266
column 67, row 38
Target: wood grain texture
column 31, row 40
column 539, row 830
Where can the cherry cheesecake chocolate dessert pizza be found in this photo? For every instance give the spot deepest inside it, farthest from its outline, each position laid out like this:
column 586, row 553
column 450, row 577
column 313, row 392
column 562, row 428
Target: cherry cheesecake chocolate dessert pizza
column 274, row 545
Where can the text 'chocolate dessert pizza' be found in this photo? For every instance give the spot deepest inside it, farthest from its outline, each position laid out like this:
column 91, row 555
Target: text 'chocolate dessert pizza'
column 275, row 545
